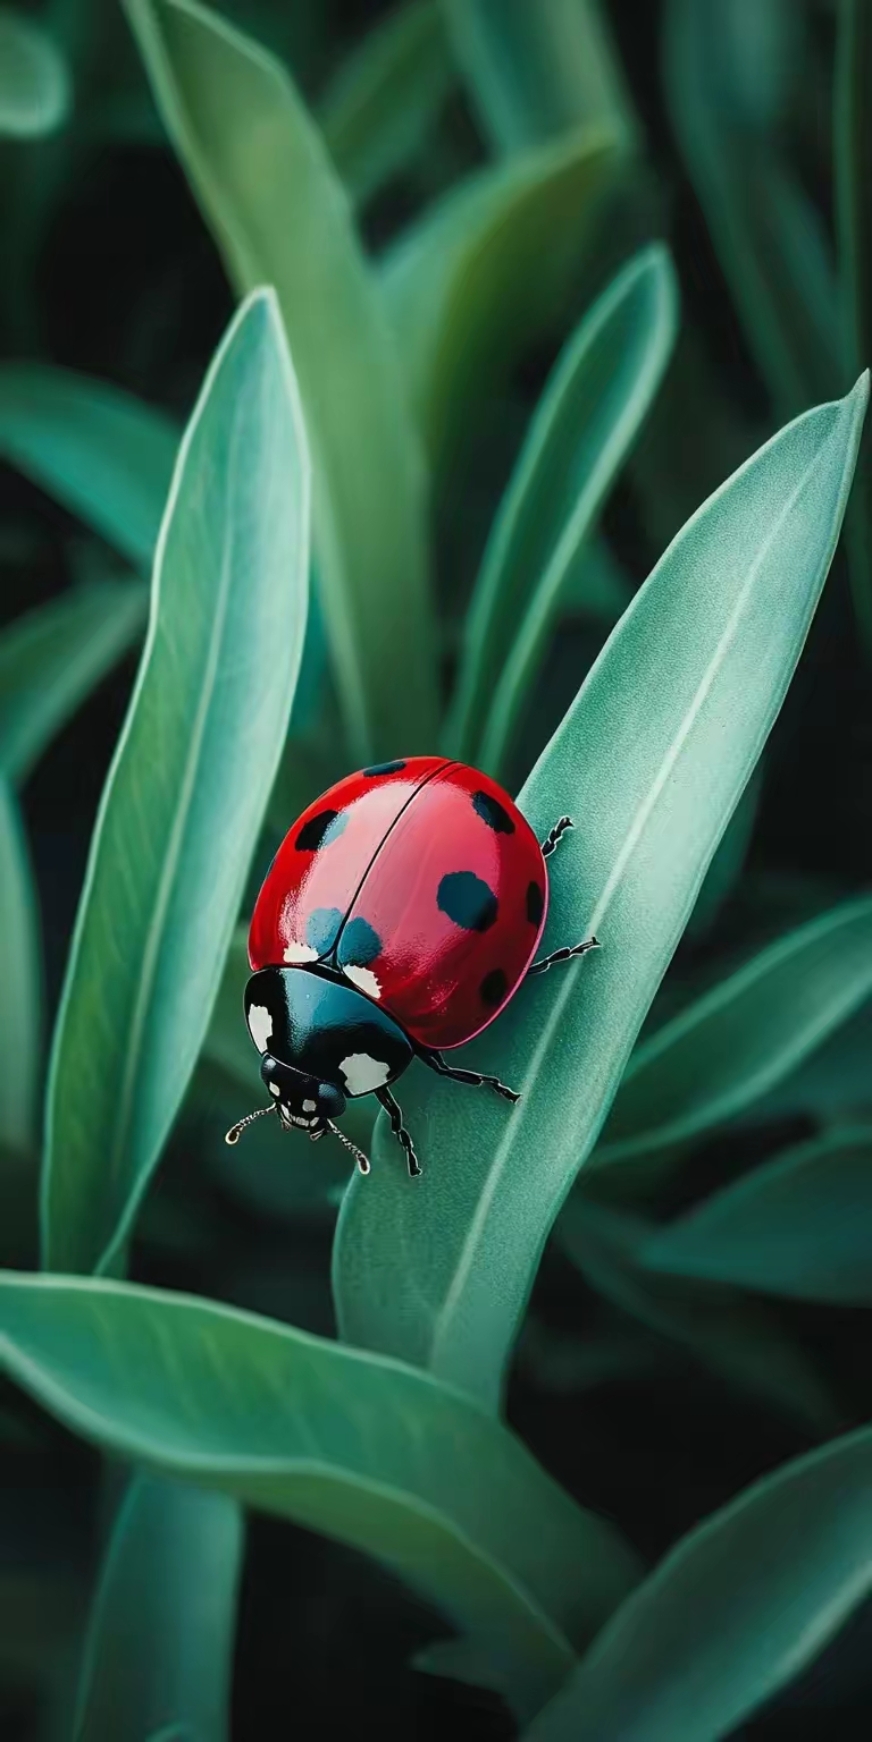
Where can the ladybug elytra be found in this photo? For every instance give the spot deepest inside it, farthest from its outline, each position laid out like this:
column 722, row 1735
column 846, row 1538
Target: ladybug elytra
column 398, row 918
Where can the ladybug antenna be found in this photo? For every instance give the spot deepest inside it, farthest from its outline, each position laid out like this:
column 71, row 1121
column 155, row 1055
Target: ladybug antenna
column 361, row 1159
column 235, row 1132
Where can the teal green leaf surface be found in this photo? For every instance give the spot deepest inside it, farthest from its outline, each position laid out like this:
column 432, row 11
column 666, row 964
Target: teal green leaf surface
column 34, row 79
column 361, row 1448
column 747, row 1034
column 469, row 283
column 176, row 829
column 159, row 1648
column 733, row 1612
column 101, row 453
column 726, row 867
column 768, row 235
column 800, row 1226
column 53, row 657
column 280, row 216
column 651, row 759
column 377, row 112
column 589, row 413
column 20, row 981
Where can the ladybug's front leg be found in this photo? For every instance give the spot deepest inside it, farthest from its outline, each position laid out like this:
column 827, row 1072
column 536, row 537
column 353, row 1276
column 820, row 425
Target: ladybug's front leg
column 395, row 1114
column 437, row 1063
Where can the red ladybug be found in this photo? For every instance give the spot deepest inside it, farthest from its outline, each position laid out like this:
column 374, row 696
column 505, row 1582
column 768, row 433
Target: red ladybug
column 400, row 914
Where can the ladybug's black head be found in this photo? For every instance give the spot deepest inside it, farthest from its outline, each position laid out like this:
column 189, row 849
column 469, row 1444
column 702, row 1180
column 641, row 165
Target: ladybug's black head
column 301, row 1099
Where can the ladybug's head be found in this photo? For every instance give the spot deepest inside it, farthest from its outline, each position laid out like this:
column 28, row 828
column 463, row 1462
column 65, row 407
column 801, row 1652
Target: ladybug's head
column 300, row 1099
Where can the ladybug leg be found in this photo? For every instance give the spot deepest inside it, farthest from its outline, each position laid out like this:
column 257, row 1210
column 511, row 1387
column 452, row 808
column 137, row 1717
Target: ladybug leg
column 558, row 831
column 478, row 1081
column 564, row 955
column 395, row 1114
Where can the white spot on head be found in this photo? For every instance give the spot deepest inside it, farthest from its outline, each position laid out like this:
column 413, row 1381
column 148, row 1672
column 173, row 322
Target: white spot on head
column 310, row 1106
column 300, row 953
column 274, row 1089
column 362, row 1073
column 365, row 980
column 260, row 1026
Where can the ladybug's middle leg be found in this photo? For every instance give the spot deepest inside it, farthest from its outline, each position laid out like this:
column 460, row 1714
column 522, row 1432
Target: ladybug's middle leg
column 556, row 835
column 564, row 955
column 437, row 1063
column 395, row 1114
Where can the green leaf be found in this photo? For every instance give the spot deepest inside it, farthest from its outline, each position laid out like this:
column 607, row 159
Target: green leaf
column 726, row 867
column 535, row 72
column 377, row 112
column 102, row 454
column 588, row 415
column 852, row 152
column 186, row 792
column 361, row 1448
column 20, row 981
column 596, row 586
column 732, row 1613
column 280, row 216
column 769, row 237
column 52, row 658
column 799, row 1226
column 651, row 759
column 744, row 1036
column 159, row 1649
column 34, row 79
column 468, row 282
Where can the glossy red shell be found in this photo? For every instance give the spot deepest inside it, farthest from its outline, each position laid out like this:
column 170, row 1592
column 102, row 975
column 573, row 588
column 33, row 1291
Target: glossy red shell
column 428, row 883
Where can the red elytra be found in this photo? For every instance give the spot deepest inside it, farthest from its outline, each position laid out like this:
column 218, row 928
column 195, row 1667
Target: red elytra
column 447, row 877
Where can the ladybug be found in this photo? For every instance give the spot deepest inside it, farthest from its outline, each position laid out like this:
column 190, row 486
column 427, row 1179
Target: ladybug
column 398, row 918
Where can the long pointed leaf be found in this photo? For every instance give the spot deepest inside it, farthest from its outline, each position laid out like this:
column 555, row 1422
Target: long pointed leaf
column 20, row 981
column 377, row 111
column 280, row 216
column 361, row 1448
column 186, row 792
column 650, row 760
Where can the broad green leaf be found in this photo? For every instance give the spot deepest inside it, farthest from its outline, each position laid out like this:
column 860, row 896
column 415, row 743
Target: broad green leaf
column 740, row 1341
column 798, row 1226
column 832, row 1083
column 470, row 281
column 726, row 867
column 384, row 98
column 159, row 1648
column 102, row 454
column 361, row 1448
column 852, row 152
column 535, row 72
column 186, row 792
column 650, row 760
column 20, row 981
column 733, row 1612
column 744, row 1036
column 53, row 657
column 591, row 408
column 280, row 216
column 34, row 79
column 769, row 237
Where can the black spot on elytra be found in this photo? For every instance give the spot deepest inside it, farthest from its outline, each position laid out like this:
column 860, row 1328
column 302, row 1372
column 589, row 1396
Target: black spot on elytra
column 359, row 944
column 535, row 903
column 320, row 830
column 321, row 928
column 493, row 813
column 467, row 900
column 492, row 990
column 383, row 768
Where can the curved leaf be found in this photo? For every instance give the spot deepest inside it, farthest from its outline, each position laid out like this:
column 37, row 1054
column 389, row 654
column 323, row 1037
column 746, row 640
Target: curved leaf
column 51, row 659
column 186, row 792
column 159, row 1649
column 280, row 216
column 103, row 454
column 361, row 1448
column 744, row 1036
column 482, row 266
column 799, row 1226
column 588, row 415
column 732, row 1613
column 726, row 867
column 651, row 760
column 20, row 981
column 34, row 79
column 377, row 111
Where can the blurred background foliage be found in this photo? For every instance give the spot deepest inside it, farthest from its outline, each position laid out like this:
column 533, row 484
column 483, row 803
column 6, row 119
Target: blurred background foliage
column 504, row 162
